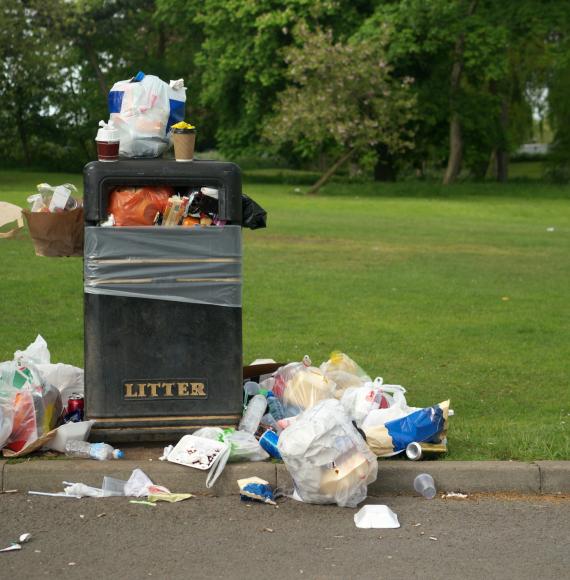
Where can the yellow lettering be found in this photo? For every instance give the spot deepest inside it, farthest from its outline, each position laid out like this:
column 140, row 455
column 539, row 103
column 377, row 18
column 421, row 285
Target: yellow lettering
column 153, row 388
column 183, row 390
column 129, row 390
column 198, row 390
column 142, row 387
column 167, row 389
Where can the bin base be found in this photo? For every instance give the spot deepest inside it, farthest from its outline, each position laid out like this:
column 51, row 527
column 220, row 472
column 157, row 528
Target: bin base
column 141, row 429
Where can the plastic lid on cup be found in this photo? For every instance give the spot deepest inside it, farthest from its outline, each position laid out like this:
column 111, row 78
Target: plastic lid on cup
column 107, row 132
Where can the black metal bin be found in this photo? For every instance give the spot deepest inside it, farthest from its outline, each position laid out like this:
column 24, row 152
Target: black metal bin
column 163, row 316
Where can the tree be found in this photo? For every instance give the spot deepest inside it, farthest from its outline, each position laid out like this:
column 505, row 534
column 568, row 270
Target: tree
column 241, row 68
column 342, row 98
column 28, row 78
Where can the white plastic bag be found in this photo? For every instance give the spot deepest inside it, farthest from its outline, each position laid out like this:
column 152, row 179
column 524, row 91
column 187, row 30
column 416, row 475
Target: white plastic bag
column 243, row 446
column 344, row 372
column 327, row 457
column 6, row 418
column 300, row 386
column 359, row 401
column 143, row 109
column 66, row 378
column 36, row 405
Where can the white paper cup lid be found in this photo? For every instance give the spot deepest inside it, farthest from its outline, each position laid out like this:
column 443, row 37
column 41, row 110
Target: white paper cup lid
column 107, row 132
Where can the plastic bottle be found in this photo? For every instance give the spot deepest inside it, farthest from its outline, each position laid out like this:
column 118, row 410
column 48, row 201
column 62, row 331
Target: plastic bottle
column 275, row 406
column 252, row 415
column 424, row 485
column 87, row 450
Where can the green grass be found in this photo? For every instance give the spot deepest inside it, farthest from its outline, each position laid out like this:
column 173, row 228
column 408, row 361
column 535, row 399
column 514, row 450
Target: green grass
column 463, row 297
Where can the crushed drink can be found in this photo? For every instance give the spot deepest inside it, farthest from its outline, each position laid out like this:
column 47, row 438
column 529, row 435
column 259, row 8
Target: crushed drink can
column 74, row 411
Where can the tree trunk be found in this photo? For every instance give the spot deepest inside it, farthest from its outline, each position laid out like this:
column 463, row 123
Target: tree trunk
column 455, row 150
column 21, row 126
column 161, row 47
column 455, row 132
column 384, row 170
column 92, row 56
column 502, row 151
column 330, row 172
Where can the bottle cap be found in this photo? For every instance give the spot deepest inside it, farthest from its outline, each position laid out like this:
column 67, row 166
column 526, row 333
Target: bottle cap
column 107, row 132
column 263, row 392
column 118, row 454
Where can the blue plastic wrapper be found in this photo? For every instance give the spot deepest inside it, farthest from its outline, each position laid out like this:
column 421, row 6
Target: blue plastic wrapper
column 421, row 426
column 257, row 492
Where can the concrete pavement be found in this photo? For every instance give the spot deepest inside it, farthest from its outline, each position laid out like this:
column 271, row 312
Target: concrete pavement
column 221, row 537
column 394, row 476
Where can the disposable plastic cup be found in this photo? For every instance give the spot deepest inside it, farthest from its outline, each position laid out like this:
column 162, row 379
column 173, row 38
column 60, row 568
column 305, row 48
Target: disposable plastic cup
column 108, row 150
column 425, row 485
column 251, row 388
column 113, row 486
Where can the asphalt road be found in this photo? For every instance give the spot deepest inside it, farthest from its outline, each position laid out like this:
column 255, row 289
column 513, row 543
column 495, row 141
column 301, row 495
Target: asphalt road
column 221, row 537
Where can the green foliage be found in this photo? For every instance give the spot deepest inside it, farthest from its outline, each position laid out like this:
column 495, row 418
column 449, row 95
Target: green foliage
column 341, row 95
column 59, row 58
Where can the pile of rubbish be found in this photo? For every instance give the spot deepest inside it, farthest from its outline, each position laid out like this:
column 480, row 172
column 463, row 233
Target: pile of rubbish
column 41, row 404
column 328, row 424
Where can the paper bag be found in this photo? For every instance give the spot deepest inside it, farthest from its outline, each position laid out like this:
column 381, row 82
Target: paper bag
column 56, row 234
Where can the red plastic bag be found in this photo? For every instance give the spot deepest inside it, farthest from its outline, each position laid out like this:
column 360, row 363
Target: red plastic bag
column 138, row 206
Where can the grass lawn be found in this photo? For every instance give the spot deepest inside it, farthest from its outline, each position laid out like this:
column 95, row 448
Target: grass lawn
column 457, row 293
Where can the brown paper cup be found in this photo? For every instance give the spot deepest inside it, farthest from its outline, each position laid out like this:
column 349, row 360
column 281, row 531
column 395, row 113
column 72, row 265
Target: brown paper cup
column 184, row 141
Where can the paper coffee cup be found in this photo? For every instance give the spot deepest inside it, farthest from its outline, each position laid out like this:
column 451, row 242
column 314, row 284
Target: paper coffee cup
column 184, row 141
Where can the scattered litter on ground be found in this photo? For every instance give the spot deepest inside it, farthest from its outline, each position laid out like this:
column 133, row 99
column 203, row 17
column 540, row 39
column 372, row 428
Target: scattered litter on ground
column 23, row 539
column 142, row 502
column 256, row 489
column 433, row 538
column 424, row 485
column 270, row 530
column 201, row 453
column 169, row 497
column 454, row 494
column 376, row 516
column 328, row 424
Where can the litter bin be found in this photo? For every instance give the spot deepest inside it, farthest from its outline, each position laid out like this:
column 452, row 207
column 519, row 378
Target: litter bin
column 163, row 316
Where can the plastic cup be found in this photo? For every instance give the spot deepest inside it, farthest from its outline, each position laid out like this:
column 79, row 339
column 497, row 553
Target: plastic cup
column 425, row 485
column 184, row 141
column 113, row 486
column 108, row 150
column 251, row 388
column 108, row 141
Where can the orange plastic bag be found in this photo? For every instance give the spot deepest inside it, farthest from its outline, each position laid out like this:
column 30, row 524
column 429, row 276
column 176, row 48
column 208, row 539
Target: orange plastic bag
column 138, row 206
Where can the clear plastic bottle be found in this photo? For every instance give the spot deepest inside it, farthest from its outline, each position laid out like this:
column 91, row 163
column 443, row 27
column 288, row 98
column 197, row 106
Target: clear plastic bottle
column 252, row 415
column 275, row 406
column 87, row 450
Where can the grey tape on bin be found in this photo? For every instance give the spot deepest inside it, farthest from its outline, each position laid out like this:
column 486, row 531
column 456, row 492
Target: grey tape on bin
column 195, row 264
